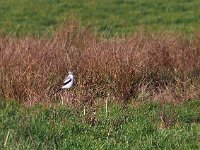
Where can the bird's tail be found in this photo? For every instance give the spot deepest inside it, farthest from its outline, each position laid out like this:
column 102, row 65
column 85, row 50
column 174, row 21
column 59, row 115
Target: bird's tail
column 58, row 90
column 55, row 91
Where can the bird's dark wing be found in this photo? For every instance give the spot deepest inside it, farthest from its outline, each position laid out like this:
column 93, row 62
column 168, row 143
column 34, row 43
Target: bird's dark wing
column 67, row 81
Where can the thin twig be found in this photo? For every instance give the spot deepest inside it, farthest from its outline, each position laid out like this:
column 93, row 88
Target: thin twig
column 84, row 111
column 6, row 140
column 106, row 107
column 107, row 104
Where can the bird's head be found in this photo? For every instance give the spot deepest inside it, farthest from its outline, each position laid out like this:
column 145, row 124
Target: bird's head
column 70, row 72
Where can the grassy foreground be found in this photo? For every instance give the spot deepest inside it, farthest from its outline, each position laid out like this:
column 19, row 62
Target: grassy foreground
column 138, row 127
column 38, row 17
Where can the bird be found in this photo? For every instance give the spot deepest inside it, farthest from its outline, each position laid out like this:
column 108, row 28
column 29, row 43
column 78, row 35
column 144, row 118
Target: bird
column 68, row 82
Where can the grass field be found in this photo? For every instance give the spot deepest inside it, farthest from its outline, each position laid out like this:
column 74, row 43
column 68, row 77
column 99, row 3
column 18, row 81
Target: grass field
column 152, row 81
column 138, row 127
column 116, row 16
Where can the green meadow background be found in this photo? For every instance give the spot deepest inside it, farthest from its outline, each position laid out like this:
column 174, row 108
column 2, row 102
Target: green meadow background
column 136, row 127
column 115, row 16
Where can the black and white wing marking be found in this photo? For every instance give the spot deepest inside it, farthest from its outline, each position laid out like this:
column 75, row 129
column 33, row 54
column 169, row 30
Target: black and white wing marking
column 67, row 81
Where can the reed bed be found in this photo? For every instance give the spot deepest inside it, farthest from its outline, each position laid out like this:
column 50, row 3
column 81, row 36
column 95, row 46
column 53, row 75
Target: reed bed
column 143, row 66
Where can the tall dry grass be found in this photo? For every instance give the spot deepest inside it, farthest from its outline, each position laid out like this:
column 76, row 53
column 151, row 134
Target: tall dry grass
column 161, row 67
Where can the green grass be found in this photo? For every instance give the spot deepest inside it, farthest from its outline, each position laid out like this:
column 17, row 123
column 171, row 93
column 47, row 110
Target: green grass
column 134, row 128
column 38, row 17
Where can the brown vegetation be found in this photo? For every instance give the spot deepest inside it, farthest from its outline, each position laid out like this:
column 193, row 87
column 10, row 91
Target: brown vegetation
column 160, row 67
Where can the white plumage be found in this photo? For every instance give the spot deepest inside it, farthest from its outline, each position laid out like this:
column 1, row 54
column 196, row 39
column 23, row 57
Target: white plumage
column 68, row 82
